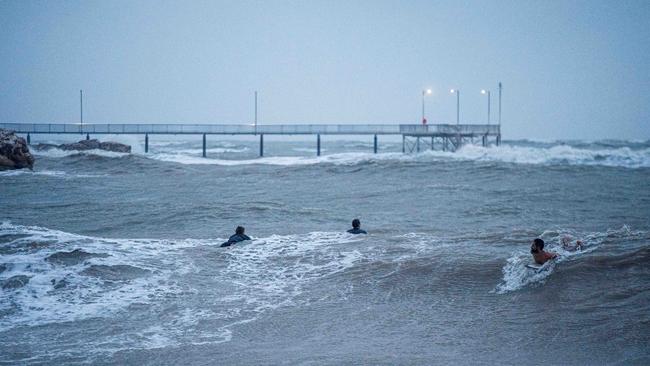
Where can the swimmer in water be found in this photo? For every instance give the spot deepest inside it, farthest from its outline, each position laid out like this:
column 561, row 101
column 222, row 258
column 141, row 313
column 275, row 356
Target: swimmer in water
column 356, row 227
column 237, row 237
column 568, row 245
column 539, row 255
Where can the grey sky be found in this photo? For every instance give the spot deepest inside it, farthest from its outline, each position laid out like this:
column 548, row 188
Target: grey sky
column 570, row 69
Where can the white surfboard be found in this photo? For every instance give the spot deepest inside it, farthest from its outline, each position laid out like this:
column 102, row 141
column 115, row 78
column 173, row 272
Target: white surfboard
column 536, row 267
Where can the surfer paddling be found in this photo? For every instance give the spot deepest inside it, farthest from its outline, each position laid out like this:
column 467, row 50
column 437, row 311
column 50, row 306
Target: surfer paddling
column 539, row 255
column 237, row 237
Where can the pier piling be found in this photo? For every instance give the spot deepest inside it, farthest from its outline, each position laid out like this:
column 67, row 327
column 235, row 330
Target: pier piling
column 403, row 144
column 318, row 145
column 87, row 136
column 29, row 139
column 261, row 144
column 146, row 143
column 375, row 144
column 204, row 145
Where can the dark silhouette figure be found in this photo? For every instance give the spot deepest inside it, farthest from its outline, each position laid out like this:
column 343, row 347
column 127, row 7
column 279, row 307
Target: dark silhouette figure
column 237, row 237
column 356, row 227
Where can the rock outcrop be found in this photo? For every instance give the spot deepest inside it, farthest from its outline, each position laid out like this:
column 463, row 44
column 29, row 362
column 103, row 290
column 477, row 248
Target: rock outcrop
column 72, row 258
column 14, row 282
column 93, row 144
column 14, row 152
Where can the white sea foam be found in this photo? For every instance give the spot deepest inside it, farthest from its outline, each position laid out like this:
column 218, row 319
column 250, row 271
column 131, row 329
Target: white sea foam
column 558, row 153
column 83, row 296
column 264, row 275
column 212, row 150
column 517, row 276
column 46, row 173
column 336, row 159
column 555, row 155
column 58, row 153
column 307, row 150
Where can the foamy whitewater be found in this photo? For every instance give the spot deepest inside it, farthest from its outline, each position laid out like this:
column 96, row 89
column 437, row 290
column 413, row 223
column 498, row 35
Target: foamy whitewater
column 109, row 258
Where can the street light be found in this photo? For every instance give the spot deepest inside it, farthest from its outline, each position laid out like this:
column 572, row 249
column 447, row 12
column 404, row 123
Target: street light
column 500, row 87
column 81, row 109
column 488, row 95
column 255, row 112
column 457, row 92
column 425, row 92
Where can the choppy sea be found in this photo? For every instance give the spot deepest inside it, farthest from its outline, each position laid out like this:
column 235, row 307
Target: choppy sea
column 109, row 258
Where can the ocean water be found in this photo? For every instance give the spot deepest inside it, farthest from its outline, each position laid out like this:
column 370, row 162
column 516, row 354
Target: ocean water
column 110, row 258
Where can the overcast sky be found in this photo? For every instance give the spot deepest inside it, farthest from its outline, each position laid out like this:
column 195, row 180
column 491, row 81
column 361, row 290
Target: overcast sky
column 570, row 69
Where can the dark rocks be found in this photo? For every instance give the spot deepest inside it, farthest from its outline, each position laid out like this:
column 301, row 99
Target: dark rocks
column 14, row 152
column 74, row 257
column 93, row 144
column 14, row 282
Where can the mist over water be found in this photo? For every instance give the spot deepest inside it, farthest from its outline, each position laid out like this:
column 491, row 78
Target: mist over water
column 114, row 258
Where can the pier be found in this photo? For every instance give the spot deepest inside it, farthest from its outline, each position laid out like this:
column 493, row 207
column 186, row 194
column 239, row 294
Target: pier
column 415, row 137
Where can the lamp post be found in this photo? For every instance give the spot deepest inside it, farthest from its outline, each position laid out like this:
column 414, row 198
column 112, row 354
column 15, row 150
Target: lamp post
column 256, row 112
column 488, row 95
column 457, row 92
column 81, row 109
column 424, row 93
column 500, row 87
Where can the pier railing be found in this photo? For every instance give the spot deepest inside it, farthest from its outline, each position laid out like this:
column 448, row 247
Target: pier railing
column 248, row 129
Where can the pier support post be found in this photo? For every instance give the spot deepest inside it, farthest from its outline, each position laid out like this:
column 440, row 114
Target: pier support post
column 498, row 139
column 403, row 144
column 484, row 142
column 146, row 143
column 261, row 144
column 204, row 145
column 375, row 144
column 318, row 145
column 29, row 139
column 432, row 144
column 87, row 136
column 417, row 143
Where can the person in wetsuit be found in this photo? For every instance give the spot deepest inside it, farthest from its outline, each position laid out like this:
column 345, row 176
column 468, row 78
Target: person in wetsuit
column 237, row 237
column 356, row 224
column 539, row 255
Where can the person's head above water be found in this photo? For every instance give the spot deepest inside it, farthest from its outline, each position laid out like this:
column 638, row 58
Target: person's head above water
column 356, row 223
column 538, row 246
column 240, row 230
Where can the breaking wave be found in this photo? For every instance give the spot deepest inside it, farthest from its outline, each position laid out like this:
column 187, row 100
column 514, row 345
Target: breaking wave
column 50, row 276
column 517, row 276
column 600, row 153
column 46, row 173
column 58, row 153
column 556, row 155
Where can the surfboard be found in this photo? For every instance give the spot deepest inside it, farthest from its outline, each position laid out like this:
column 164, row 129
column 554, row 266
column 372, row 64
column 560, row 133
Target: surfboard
column 245, row 242
column 536, row 267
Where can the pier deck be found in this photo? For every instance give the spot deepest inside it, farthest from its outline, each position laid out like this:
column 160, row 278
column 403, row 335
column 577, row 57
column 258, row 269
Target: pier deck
column 447, row 136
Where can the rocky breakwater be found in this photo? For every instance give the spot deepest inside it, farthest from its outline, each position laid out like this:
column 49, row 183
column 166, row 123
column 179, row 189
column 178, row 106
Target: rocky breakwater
column 93, row 144
column 14, row 152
